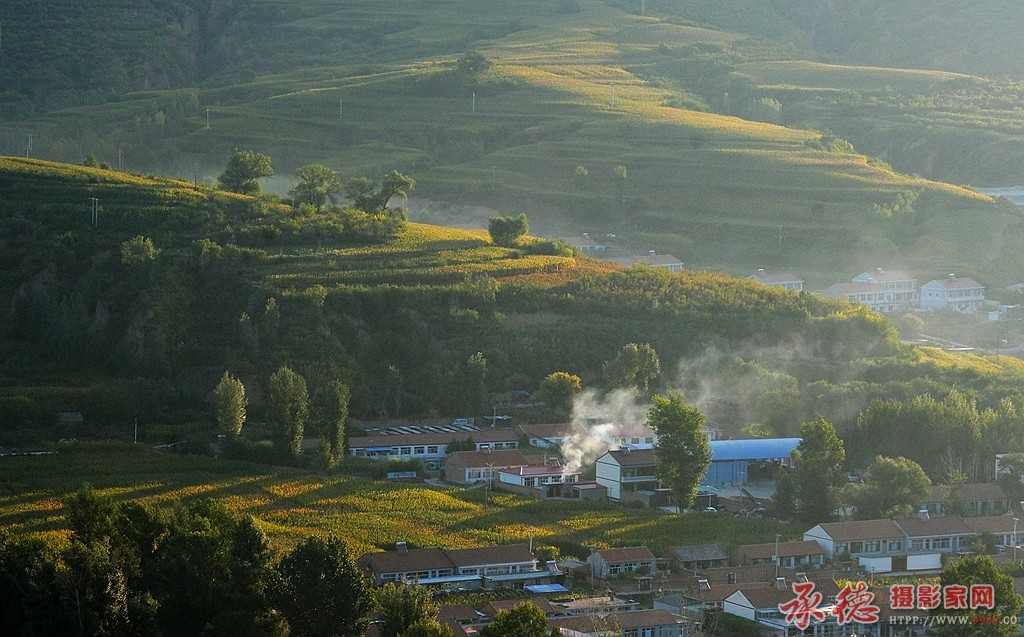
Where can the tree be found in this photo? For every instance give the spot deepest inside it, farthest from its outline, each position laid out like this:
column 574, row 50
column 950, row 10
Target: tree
column 818, row 472
column 579, row 177
column 635, row 365
column 523, row 620
column 229, row 404
column 244, row 170
column 621, row 175
column 365, row 196
column 682, row 454
column 401, row 606
column 979, row 569
column 318, row 185
column 472, row 383
column 287, row 410
column 90, row 515
column 1011, row 475
column 428, row 628
column 138, row 251
column 323, row 594
column 891, row 488
column 506, row 231
column 909, row 326
column 558, row 389
column 472, row 66
column 330, row 415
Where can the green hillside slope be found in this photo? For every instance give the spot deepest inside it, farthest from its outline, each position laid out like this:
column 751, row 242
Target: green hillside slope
column 174, row 284
column 137, row 311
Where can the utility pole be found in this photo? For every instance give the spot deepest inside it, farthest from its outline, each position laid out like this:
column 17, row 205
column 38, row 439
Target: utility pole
column 28, row 147
column 95, row 211
column 207, row 116
column 136, row 431
column 474, row 103
column 341, row 109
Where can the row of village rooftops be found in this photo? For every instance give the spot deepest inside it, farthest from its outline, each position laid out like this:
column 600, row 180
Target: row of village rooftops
column 691, row 581
column 884, row 291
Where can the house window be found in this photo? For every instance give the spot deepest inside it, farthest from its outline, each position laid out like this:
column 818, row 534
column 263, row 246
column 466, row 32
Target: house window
column 418, row 451
column 432, row 449
column 872, row 546
column 406, row 451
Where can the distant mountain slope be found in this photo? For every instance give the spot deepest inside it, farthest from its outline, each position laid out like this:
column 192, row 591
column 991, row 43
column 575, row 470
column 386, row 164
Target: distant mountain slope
column 661, row 130
column 943, row 35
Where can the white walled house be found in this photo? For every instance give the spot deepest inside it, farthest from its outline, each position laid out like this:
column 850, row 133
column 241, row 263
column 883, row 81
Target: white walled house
column 626, row 471
column 430, row 447
column 902, row 286
column 858, row 537
column 537, row 476
column 608, row 563
column 786, row 280
column 959, row 294
column 868, row 293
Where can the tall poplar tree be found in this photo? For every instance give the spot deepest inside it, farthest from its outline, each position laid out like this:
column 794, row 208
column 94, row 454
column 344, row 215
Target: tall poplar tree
column 229, row 404
column 682, row 454
column 288, row 410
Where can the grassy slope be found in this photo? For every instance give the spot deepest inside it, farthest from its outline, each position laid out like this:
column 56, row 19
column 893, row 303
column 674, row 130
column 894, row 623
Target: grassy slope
column 716, row 190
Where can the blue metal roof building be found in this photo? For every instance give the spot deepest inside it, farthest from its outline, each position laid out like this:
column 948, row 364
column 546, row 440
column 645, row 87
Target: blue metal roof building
column 730, row 459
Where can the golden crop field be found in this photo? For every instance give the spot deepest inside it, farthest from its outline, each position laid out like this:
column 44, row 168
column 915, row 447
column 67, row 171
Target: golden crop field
column 290, row 504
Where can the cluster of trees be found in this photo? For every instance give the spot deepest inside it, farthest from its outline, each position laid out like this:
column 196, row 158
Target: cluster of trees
column 317, row 185
column 289, row 410
column 128, row 569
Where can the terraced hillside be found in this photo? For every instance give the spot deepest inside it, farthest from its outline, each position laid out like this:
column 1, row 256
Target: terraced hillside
column 687, row 143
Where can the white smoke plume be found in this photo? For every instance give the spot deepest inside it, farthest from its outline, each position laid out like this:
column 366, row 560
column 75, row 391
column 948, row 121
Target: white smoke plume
column 597, row 421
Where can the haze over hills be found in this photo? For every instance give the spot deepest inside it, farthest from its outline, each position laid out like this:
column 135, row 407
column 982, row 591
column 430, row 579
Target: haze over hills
column 730, row 122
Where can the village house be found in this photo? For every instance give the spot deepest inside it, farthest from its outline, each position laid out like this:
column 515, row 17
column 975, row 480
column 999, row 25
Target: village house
column 585, row 244
column 608, row 563
column 429, row 447
column 507, row 566
column 1008, row 532
column 550, row 611
column 902, row 287
column 967, row 500
column 806, row 554
column 786, row 280
column 840, row 540
column 869, row 293
column 963, row 295
column 638, row 623
column 761, row 604
column 543, row 478
column 698, row 557
column 547, row 436
column 625, row 473
column 653, row 260
column 472, row 467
